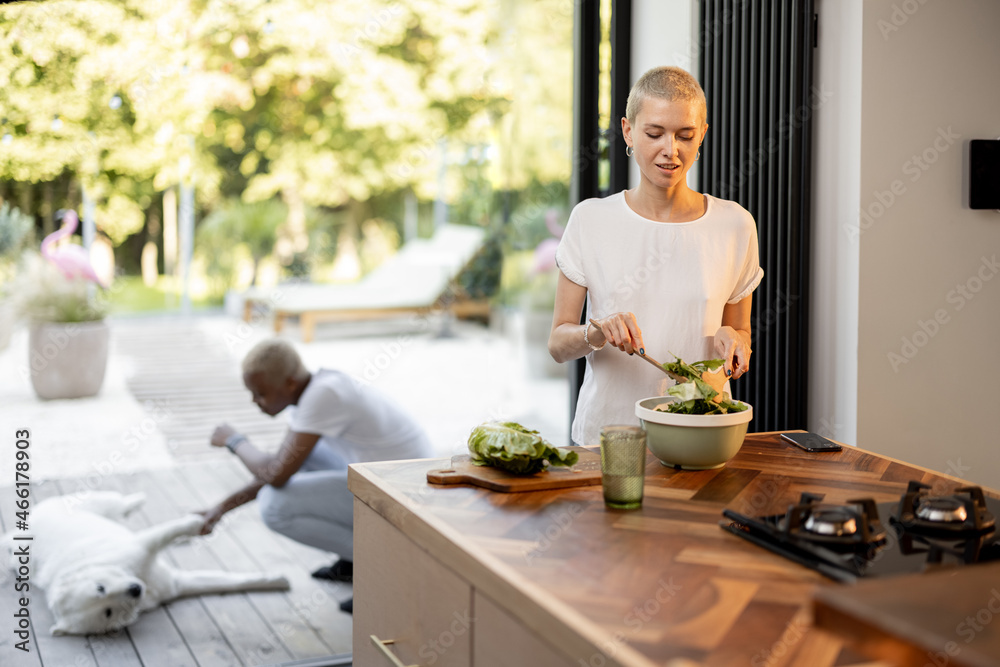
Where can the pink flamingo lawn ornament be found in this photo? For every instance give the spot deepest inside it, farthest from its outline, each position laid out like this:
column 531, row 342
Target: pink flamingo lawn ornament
column 71, row 260
column 545, row 252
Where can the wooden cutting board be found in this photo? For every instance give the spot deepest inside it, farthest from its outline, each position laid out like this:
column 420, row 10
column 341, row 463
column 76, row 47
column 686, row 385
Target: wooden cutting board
column 585, row 472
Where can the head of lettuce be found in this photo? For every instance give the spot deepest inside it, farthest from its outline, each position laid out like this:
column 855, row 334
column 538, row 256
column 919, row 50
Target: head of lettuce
column 511, row 447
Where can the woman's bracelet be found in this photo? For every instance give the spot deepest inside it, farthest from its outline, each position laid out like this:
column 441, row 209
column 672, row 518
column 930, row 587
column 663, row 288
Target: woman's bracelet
column 586, row 339
column 234, row 440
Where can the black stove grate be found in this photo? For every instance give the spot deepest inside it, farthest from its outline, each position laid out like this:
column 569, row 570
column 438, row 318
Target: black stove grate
column 918, row 506
column 876, row 550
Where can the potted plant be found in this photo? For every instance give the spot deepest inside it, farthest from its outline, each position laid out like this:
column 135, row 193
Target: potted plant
column 538, row 304
column 58, row 294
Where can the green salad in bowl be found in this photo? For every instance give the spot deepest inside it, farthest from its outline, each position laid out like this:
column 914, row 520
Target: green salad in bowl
column 696, row 396
column 695, row 426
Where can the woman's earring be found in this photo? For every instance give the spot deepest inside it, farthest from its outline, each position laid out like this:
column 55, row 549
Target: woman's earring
column 629, row 151
column 697, row 156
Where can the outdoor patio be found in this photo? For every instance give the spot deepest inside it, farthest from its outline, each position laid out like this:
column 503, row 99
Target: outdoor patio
column 170, row 381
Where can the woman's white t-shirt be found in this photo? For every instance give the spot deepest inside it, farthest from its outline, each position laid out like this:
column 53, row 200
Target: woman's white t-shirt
column 676, row 277
column 356, row 421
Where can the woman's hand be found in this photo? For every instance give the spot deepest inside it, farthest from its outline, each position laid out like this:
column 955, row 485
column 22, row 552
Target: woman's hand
column 734, row 348
column 219, row 435
column 622, row 331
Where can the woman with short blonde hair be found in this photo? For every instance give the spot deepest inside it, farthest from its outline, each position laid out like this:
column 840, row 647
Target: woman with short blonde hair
column 682, row 264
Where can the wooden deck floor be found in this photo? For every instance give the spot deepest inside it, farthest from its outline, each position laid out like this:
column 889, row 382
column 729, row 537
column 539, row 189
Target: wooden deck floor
column 176, row 364
column 193, row 375
column 209, row 631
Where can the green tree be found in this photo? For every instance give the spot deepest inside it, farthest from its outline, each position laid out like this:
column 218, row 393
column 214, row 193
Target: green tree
column 323, row 104
column 15, row 232
column 252, row 224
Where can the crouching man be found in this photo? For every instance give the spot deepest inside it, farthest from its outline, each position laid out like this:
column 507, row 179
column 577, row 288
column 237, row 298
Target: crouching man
column 335, row 420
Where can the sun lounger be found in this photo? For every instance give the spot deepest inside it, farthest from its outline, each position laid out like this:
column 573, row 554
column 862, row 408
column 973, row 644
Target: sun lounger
column 415, row 280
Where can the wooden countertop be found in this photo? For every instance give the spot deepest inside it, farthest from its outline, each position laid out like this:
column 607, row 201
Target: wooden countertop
column 660, row 585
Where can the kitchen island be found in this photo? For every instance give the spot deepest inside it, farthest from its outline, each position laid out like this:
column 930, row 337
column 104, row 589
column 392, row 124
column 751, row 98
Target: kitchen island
column 448, row 575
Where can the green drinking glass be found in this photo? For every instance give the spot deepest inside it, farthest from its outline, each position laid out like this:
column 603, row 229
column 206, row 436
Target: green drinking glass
column 623, row 466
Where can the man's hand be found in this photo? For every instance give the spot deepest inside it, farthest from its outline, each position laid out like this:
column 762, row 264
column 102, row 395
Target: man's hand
column 235, row 499
column 219, row 435
column 211, row 517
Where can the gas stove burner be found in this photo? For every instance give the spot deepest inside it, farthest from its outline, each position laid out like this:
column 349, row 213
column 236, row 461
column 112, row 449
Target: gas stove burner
column 940, row 509
column 846, row 526
column 835, row 521
column 963, row 512
column 848, row 542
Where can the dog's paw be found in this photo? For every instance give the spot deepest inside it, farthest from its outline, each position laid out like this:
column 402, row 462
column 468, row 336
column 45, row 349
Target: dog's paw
column 184, row 528
column 192, row 524
column 276, row 582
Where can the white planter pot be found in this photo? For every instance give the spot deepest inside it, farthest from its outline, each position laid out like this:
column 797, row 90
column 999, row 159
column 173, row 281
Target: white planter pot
column 537, row 325
column 68, row 360
column 232, row 305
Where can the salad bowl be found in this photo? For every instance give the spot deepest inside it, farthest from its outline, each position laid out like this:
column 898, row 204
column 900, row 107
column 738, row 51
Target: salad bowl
column 691, row 442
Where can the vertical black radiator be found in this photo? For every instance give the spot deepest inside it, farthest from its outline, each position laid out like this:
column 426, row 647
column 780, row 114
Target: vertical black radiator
column 756, row 69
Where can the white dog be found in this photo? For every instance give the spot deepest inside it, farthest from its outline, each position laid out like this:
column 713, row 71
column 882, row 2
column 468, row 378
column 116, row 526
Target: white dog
column 98, row 575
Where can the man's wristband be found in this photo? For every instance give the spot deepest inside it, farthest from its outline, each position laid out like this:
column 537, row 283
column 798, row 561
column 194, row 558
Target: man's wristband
column 234, row 440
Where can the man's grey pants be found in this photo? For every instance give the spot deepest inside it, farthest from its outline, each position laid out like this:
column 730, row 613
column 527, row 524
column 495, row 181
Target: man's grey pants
column 314, row 506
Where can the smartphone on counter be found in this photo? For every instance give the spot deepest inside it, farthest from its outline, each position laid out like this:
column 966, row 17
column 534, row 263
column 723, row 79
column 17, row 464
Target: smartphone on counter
column 811, row 442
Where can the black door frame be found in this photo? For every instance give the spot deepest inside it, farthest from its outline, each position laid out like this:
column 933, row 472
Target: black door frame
column 594, row 144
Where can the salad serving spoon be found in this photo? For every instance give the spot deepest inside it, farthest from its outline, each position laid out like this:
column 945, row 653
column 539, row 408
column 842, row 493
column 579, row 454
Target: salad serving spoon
column 716, row 380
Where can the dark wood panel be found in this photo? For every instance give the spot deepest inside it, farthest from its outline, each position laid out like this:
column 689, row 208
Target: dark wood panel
column 945, row 618
column 729, row 483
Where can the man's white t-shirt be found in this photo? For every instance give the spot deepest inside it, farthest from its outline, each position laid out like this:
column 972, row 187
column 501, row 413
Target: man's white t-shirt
column 356, row 421
column 676, row 277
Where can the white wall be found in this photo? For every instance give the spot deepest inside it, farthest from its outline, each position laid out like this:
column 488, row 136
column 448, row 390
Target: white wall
column 901, row 360
column 834, row 261
column 927, row 359
column 894, row 83
column 662, row 34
